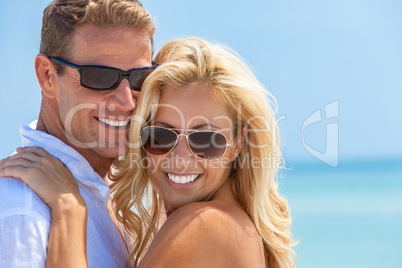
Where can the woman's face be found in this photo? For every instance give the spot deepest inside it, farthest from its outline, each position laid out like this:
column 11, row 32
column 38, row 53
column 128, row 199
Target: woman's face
column 180, row 177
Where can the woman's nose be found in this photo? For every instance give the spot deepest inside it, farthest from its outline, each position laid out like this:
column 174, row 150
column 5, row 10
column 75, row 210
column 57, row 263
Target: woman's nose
column 182, row 149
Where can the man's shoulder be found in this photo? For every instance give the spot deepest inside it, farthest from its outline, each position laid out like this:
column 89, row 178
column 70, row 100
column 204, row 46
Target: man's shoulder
column 16, row 198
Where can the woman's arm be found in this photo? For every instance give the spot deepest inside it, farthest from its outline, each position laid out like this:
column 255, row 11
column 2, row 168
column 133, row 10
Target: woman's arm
column 53, row 182
column 67, row 238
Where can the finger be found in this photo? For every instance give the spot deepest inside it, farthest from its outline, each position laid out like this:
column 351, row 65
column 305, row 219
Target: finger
column 17, row 161
column 35, row 150
column 3, row 160
column 12, row 172
column 45, row 157
column 33, row 158
column 32, row 176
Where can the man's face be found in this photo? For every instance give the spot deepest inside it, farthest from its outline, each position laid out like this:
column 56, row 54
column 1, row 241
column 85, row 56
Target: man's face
column 98, row 119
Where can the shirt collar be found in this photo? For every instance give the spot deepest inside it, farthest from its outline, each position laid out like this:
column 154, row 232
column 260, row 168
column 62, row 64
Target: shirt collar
column 78, row 165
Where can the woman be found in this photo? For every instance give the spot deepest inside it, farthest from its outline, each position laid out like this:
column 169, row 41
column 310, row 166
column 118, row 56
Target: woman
column 204, row 152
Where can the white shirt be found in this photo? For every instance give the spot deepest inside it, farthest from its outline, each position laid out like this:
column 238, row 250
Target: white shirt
column 25, row 219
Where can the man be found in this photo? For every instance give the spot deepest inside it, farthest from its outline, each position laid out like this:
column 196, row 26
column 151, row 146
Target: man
column 83, row 121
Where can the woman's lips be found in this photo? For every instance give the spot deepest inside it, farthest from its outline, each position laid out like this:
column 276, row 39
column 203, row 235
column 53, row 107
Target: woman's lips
column 182, row 179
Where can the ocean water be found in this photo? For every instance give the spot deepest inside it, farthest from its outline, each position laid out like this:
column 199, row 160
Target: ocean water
column 348, row 216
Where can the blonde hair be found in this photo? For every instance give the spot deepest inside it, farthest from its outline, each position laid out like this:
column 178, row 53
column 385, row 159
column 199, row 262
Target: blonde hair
column 62, row 17
column 189, row 61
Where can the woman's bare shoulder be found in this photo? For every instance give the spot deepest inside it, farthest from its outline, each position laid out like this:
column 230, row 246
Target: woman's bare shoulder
column 203, row 234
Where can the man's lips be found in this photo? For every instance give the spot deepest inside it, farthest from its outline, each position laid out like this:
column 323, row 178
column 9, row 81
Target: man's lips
column 114, row 123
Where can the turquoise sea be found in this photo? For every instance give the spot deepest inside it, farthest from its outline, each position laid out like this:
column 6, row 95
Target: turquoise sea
column 348, row 216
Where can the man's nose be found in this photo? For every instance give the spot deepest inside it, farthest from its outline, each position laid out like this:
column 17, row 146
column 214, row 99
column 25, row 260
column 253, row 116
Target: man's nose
column 123, row 97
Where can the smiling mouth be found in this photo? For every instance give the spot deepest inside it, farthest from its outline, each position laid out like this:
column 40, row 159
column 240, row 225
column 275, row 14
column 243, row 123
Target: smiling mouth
column 182, row 179
column 114, row 123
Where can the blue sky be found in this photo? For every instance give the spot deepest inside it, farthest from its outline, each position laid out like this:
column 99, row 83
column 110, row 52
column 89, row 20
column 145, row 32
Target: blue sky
column 345, row 55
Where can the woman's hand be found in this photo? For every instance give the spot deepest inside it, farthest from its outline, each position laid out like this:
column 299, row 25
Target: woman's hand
column 46, row 175
column 54, row 183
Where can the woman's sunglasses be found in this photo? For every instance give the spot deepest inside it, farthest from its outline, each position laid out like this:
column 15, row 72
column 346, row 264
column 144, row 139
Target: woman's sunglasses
column 205, row 144
column 98, row 77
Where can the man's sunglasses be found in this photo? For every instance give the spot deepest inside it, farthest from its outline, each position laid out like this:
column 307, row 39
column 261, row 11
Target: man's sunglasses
column 205, row 144
column 98, row 77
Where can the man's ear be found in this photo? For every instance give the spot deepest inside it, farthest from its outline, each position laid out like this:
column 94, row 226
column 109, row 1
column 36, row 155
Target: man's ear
column 240, row 143
column 47, row 76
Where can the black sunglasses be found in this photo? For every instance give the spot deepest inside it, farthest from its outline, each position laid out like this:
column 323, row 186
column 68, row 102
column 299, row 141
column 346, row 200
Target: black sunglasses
column 205, row 144
column 99, row 77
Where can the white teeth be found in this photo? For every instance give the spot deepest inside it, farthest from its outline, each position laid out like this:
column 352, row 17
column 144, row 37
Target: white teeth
column 182, row 179
column 114, row 123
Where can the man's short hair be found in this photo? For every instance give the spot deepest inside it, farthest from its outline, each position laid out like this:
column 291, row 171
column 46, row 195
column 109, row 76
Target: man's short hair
column 62, row 17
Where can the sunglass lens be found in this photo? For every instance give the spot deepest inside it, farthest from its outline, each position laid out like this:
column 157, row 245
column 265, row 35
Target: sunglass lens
column 206, row 144
column 158, row 141
column 99, row 78
column 137, row 77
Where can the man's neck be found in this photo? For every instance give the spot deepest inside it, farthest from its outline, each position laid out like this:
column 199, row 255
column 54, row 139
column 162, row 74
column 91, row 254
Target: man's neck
column 100, row 164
